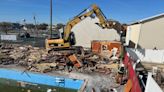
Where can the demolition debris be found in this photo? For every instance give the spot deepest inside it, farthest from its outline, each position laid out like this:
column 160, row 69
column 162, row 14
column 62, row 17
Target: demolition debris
column 39, row 60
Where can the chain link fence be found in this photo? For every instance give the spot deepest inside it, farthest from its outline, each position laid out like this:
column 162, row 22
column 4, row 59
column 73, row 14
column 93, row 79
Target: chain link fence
column 29, row 37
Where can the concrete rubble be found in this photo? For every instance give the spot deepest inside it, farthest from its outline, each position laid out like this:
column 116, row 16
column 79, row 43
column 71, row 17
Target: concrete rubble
column 39, row 60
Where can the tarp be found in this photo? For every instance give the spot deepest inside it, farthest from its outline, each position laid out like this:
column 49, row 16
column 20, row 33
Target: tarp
column 37, row 78
column 132, row 74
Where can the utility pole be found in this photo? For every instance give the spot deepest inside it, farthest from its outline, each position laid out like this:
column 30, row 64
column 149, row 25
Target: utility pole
column 51, row 17
column 24, row 25
column 36, row 31
column 35, row 25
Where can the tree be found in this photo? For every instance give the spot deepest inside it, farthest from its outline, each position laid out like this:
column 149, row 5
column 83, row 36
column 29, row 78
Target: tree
column 60, row 25
column 42, row 26
column 16, row 25
column 30, row 26
column 5, row 26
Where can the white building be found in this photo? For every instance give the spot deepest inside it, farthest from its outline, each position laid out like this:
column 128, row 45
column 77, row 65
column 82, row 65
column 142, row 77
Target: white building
column 147, row 33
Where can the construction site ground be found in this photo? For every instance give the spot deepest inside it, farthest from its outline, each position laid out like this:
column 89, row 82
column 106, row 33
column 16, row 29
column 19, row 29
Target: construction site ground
column 98, row 70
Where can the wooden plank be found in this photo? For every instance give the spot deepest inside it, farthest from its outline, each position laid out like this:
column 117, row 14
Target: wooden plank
column 83, row 86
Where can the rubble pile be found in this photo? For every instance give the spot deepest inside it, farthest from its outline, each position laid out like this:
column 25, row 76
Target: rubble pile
column 39, row 60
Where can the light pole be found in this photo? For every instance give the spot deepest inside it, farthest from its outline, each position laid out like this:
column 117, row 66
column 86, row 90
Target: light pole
column 36, row 31
column 51, row 17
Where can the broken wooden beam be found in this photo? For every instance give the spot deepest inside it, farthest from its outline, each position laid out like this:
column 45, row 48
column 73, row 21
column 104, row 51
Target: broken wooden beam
column 75, row 61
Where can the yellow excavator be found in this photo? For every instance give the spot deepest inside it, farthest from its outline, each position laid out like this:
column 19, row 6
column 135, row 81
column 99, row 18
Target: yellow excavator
column 68, row 38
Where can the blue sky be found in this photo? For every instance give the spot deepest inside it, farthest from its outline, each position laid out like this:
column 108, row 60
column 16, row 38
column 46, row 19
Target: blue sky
column 125, row 11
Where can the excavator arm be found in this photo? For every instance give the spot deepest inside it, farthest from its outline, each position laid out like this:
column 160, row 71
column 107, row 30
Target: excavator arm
column 94, row 10
column 66, row 40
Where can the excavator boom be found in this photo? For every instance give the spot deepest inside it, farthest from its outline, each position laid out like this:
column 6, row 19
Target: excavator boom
column 94, row 10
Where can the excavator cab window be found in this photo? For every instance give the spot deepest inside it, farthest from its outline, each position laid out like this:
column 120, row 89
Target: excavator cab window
column 93, row 16
column 55, row 35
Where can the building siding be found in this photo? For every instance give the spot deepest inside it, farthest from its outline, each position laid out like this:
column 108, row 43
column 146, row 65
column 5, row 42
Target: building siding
column 152, row 34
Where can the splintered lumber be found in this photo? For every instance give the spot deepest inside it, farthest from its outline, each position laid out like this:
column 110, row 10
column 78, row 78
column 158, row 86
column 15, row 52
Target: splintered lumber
column 83, row 86
column 75, row 61
column 108, row 66
column 43, row 67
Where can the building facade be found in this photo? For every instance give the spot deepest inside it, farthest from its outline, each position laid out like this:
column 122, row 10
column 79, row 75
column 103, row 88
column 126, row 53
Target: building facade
column 147, row 33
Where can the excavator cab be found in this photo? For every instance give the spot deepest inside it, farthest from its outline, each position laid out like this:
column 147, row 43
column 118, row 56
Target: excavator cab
column 55, row 43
